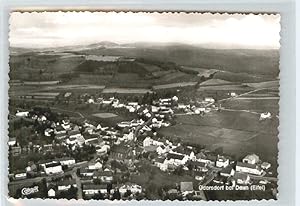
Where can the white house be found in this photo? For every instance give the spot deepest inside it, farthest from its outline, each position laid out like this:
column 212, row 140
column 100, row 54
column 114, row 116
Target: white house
column 248, row 168
column 209, row 99
column 51, row 193
column 148, row 141
column 227, row 171
column 22, row 114
column 251, row 159
column 53, row 168
column 12, row 141
column 92, row 189
column 134, row 188
column 66, row 184
column 222, row 161
column 48, row 132
column 95, row 166
column 67, row 161
column 265, row 165
column 20, row 176
column 265, row 115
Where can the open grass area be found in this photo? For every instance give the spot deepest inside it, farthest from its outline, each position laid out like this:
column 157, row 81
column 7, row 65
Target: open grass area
column 238, row 133
column 257, row 105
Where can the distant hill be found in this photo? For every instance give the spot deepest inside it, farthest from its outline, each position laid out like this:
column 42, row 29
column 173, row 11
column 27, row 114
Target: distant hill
column 265, row 62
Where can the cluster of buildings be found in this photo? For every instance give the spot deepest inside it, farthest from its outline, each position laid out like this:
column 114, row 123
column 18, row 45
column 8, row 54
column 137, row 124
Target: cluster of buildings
column 125, row 143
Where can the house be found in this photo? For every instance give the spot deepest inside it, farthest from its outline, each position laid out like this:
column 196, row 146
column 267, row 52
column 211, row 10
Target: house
column 176, row 159
column 105, row 176
column 222, row 161
column 74, row 134
column 22, row 114
column 12, row 141
column 199, row 175
column 102, row 149
column 148, row 141
column 251, row 159
column 15, row 150
column 227, row 171
column 265, row 115
column 48, row 148
column 162, row 149
column 248, row 168
column 199, row 166
column 265, row 165
column 53, row 167
column 133, row 188
column 48, row 132
column 85, row 172
column 92, row 189
column 20, row 175
column 75, row 138
column 67, row 161
column 66, row 184
column 209, row 159
column 161, row 163
column 60, row 137
column 220, row 180
column 120, row 151
column 51, row 192
column 240, row 178
column 186, row 187
column 59, row 130
column 209, row 99
column 66, row 124
column 95, row 166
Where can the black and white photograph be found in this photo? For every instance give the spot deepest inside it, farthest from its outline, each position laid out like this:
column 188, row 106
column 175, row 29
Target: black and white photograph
column 143, row 105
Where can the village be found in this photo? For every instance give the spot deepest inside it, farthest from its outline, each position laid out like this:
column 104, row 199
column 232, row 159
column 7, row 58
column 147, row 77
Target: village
column 84, row 160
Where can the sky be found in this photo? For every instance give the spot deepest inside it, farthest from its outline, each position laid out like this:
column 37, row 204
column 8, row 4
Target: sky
column 55, row 29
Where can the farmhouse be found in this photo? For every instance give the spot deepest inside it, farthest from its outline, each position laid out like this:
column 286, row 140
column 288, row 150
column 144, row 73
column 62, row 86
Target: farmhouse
column 248, row 168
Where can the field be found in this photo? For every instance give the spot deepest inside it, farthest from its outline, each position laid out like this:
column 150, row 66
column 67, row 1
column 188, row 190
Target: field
column 125, row 91
column 174, row 85
column 238, row 133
